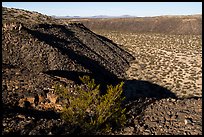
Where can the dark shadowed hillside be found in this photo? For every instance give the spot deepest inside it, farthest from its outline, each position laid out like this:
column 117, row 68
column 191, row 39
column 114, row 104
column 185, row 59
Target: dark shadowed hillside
column 41, row 47
column 191, row 24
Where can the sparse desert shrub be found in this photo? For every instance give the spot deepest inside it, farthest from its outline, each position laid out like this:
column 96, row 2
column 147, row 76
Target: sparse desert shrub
column 88, row 112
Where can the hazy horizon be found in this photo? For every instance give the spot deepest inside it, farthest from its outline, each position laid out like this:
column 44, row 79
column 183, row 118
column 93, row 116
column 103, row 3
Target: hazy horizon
column 86, row 9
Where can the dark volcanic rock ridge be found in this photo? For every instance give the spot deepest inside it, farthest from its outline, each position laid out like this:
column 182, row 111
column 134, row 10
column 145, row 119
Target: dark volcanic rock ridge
column 37, row 53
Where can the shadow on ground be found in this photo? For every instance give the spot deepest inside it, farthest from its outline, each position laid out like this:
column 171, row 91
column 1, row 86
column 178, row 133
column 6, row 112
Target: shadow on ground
column 133, row 89
column 12, row 113
column 50, row 114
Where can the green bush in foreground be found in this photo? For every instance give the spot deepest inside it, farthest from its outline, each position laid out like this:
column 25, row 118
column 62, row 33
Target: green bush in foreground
column 88, row 112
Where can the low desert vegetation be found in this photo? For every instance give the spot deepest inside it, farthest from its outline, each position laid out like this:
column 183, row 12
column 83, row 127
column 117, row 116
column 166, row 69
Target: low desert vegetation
column 88, row 112
column 162, row 57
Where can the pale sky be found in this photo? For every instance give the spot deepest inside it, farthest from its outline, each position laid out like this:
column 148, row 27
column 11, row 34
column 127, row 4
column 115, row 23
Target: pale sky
column 139, row 9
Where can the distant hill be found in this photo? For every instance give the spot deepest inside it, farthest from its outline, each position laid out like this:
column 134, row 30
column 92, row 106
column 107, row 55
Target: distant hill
column 188, row 24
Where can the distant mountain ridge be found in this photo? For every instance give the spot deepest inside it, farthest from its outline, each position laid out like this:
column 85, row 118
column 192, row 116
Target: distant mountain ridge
column 96, row 16
column 122, row 16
